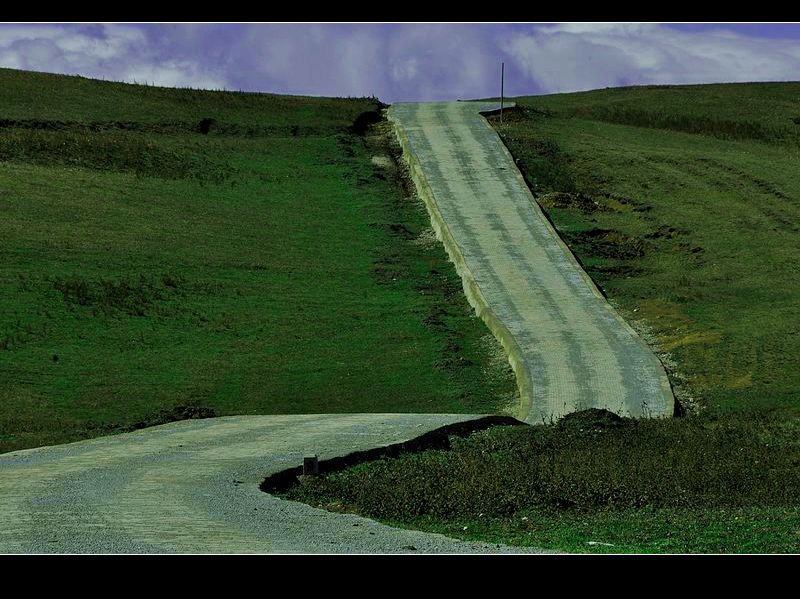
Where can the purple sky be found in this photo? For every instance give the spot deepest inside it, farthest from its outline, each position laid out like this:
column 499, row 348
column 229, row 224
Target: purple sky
column 407, row 61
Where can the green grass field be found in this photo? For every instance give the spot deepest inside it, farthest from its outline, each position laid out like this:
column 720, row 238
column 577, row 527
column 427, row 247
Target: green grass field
column 694, row 235
column 169, row 253
column 179, row 253
column 683, row 204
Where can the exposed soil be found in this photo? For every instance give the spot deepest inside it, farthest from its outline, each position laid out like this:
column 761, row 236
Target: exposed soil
column 516, row 114
column 570, row 201
column 591, row 420
column 665, row 232
column 608, row 243
column 589, row 203
column 365, row 119
column 165, row 416
column 173, row 415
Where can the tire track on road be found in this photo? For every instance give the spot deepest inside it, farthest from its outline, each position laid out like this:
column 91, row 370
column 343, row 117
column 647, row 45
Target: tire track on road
column 569, row 348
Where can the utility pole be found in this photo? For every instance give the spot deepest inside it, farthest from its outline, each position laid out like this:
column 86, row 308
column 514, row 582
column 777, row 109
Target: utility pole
column 502, row 80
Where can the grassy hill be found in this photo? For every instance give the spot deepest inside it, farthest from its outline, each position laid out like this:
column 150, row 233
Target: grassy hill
column 683, row 204
column 763, row 111
column 170, row 253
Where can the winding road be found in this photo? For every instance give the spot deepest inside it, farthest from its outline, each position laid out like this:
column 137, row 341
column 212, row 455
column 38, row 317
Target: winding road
column 193, row 486
column 569, row 348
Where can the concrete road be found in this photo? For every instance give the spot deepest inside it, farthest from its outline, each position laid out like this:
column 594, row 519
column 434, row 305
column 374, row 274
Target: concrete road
column 569, row 348
column 193, row 487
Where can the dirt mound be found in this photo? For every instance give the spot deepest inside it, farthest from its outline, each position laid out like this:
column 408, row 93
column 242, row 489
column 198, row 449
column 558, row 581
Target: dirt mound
column 609, row 243
column 565, row 200
column 591, row 419
column 364, row 120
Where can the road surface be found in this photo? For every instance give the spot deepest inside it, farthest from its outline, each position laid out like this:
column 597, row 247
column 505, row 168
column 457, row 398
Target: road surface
column 193, row 487
column 569, row 348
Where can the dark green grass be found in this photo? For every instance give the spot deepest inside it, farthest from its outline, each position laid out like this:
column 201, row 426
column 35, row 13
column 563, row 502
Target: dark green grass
column 108, row 151
column 248, row 270
column 666, row 530
column 585, row 463
column 764, row 111
column 685, row 209
column 694, row 485
column 693, row 236
column 57, row 99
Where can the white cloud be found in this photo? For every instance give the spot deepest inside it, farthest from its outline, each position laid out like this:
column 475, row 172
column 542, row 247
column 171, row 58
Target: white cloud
column 586, row 56
column 172, row 74
column 309, row 59
column 404, row 69
column 118, row 52
column 438, row 62
column 399, row 62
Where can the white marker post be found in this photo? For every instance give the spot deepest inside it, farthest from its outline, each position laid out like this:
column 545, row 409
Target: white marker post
column 502, row 77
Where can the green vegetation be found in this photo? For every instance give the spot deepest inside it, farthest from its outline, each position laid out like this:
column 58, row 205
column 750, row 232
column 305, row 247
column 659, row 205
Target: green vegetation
column 179, row 253
column 693, row 237
column 683, row 204
column 640, row 485
column 765, row 111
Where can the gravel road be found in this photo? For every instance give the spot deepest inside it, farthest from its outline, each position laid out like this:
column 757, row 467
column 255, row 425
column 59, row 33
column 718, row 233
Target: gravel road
column 193, row 487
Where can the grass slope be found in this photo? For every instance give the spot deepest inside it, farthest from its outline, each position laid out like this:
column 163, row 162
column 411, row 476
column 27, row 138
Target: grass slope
column 171, row 253
column 694, row 236
column 683, row 204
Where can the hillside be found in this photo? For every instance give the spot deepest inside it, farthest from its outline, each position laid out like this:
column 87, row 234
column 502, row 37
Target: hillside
column 173, row 253
column 683, row 204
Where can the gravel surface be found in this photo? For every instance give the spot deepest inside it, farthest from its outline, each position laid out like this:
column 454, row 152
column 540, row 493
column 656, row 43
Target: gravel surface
column 193, row 487
column 569, row 348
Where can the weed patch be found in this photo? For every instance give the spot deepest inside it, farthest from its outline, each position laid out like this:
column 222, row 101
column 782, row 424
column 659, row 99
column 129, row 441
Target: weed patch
column 609, row 243
column 129, row 296
column 106, row 151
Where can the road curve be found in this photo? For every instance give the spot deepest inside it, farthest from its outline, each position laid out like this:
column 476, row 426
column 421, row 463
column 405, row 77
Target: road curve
column 193, row 487
column 569, row 348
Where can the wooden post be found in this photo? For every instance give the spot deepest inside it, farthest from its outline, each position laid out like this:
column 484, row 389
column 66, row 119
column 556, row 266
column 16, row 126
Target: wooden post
column 311, row 466
column 502, row 80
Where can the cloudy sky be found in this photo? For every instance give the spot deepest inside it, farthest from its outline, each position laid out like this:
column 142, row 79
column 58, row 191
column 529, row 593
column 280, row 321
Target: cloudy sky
column 411, row 62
